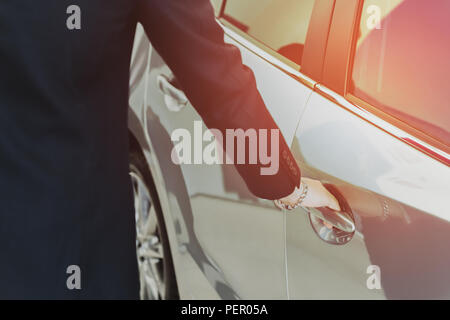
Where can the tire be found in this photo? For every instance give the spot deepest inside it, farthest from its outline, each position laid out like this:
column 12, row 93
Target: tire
column 156, row 271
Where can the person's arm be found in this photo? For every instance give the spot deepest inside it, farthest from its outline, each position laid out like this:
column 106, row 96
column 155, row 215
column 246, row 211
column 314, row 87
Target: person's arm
column 223, row 90
column 218, row 85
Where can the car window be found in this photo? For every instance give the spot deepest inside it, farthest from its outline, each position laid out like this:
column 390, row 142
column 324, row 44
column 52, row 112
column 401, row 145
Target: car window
column 402, row 62
column 281, row 25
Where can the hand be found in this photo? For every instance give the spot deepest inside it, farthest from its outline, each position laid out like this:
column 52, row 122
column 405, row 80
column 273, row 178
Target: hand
column 318, row 196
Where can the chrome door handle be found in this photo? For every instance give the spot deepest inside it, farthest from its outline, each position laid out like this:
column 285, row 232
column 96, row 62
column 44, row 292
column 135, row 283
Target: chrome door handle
column 333, row 227
column 174, row 98
column 339, row 220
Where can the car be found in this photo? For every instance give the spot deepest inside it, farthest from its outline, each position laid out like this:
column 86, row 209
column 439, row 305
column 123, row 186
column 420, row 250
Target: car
column 360, row 91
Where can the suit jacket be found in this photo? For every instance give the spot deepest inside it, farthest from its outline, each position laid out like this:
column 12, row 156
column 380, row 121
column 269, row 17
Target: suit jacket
column 66, row 196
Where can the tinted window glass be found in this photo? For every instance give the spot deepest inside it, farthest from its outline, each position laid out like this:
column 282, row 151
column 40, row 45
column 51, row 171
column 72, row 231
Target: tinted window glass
column 402, row 62
column 282, row 25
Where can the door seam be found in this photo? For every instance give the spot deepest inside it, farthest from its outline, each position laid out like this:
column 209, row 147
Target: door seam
column 286, row 270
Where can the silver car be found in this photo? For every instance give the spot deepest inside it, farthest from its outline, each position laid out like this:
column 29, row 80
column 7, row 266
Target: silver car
column 360, row 90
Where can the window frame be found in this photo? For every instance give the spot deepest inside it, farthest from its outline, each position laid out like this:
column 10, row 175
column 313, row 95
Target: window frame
column 338, row 68
column 314, row 47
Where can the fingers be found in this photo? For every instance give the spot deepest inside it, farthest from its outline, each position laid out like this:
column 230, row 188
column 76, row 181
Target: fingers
column 334, row 204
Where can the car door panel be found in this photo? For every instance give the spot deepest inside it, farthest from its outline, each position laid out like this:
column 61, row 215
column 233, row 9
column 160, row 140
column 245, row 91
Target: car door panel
column 396, row 195
column 394, row 182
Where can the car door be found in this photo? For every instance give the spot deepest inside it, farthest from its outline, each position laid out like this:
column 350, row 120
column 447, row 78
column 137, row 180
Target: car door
column 235, row 240
column 376, row 132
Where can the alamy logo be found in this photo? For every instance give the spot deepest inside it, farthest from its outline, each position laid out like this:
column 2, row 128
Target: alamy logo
column 374, row 280
column 74, row 20
column 74, row 280
column 374, row 20
column 235, row 141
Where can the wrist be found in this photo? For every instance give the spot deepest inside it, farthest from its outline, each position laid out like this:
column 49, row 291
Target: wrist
column 301, row 193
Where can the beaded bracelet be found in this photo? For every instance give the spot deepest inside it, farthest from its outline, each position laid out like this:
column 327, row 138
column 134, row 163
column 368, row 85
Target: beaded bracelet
column 299, row 201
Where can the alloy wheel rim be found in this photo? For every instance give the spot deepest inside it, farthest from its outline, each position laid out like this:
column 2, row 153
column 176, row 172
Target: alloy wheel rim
column 149, row 248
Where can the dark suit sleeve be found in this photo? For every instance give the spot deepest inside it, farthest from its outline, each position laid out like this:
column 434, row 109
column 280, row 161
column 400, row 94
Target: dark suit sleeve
column 219, row 86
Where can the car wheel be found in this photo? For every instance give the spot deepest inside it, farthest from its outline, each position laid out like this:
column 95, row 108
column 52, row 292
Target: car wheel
column 156, row 272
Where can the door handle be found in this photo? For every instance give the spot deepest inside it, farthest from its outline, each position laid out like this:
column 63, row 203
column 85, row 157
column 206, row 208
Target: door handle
column 174, row 98
column 331, row 226
column 339, row 220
